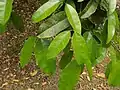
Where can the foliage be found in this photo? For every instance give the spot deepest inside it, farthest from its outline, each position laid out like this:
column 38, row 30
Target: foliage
column 84, row 30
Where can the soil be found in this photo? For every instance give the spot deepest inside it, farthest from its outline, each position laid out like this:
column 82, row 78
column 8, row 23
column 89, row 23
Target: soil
column 12, row 77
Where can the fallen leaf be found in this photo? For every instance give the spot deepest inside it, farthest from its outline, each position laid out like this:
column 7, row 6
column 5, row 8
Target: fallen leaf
column 44, row 83
column 4, row 84
column 102, row 75
column 88, row 78
column 15, row 80
column 34, row 73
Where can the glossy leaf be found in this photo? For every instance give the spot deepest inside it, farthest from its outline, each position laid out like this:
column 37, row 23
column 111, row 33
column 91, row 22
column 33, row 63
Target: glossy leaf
column 41, row 47
column 92, row 8
column 45, row 10
column 69, row 76
column 17, row 21
column 51, row 21
column 2, row 29
column 73, row 18
column 111, row 27
column 58, row 44
column 112, row 6
column 5, row 10
column 26, row 51
column 55, row 29
column 81, row 52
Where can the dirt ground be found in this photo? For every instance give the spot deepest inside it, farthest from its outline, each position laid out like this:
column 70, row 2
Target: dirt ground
column 12, row 77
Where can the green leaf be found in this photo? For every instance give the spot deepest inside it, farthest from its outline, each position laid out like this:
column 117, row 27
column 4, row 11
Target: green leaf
column 92, row 8
column 66, row 58
column 41, row 48
column 51, row 21
column 96, row 51
column 58, row 44
column 80, row 49
column 2, row 29
column 73, row 18
column 108, row 69
column 17, row 21
column 111, row 27
column 112, row 6
column 26, row 51
column 69, row 76
column 81, row 52
column 45, row 10
column 112, row 71
column 114, row 76
column 55, row 29
column 5, row 10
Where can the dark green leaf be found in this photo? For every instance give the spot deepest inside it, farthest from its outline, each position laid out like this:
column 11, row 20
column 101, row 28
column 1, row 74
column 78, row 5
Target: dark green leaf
column 41, row 47
column 17, row 21
column 51, row 21
column 66, row 58
column 94, row 17
column 69, row 76
column 73, row 18
column 58, row 44
column 91, row 9
column 2, row 29
column 5, row 10
column 96, row 51
column 26, row 51
column 45, row 10
column 55, row 29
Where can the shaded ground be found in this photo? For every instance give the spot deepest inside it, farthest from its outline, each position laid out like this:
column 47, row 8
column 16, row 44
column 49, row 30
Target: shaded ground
column 12, row 77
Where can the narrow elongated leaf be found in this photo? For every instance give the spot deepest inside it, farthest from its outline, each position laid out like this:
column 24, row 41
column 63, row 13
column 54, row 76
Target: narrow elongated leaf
column 17, row 21
column 114, row 76
column 55, row 29
column 45, row 10
column 73, row 18
column 58, row 44
column 80, row 49
column 96, row 52
column 26, row 51
column 48, row 66
column 81, row 52
column 92, row 8
column 111, row 27
column 51, row 21
column 69, row 76
column 2, row 29
column 5, row 10
column 112, row 6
